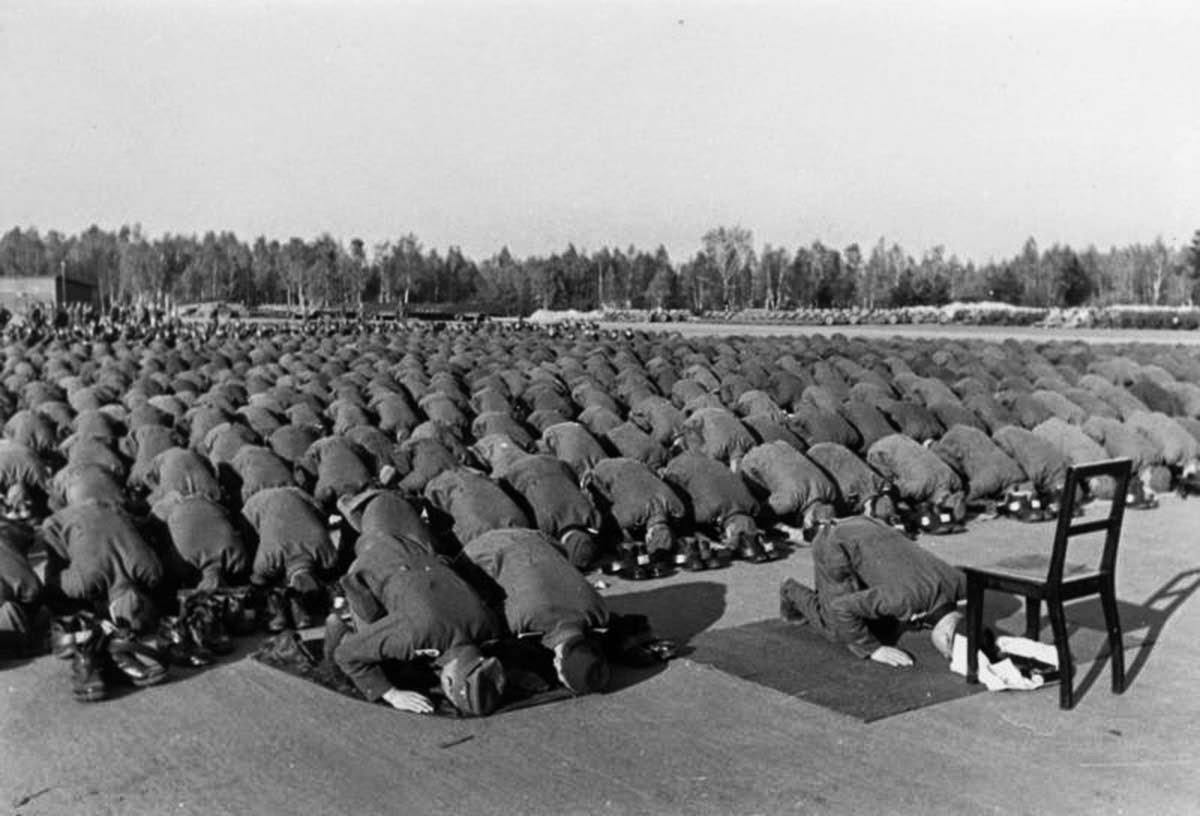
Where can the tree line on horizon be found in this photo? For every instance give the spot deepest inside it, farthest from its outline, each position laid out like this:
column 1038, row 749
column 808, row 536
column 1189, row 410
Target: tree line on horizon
column 727, row 272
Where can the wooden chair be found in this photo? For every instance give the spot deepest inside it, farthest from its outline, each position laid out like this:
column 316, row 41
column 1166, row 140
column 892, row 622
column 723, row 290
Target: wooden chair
column 1054, row 588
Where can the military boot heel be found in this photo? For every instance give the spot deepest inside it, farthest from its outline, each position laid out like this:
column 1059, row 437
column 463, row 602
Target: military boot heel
column 89, row 658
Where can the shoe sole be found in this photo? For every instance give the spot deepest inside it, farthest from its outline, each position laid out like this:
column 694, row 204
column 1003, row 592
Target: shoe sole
column 149, row 681
column 91, row 695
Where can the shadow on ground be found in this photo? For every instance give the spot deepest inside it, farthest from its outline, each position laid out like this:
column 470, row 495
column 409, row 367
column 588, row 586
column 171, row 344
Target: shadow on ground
column 676, row 611
column 1145, row 621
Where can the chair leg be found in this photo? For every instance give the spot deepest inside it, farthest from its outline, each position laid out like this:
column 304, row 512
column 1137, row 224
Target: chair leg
column 1033, row 618
column 1058, row 624
column 1116, row 646
column 975, row 592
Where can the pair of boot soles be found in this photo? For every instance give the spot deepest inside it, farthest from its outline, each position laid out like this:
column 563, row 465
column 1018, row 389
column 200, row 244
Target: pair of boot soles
column 98, row 660
column 286, row 609
column 692, row 559
column 939, row 522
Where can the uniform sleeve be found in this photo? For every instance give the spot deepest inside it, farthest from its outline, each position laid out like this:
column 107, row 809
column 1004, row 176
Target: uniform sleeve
column 54, row 534
column 144, row 566
column 310, row 462
column 361, row 654
column 235, row 557
column 849, row 615
column 21, row 582
column 361, row 599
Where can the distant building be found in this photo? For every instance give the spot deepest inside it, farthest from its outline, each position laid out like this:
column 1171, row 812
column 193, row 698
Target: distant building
column 19, row 293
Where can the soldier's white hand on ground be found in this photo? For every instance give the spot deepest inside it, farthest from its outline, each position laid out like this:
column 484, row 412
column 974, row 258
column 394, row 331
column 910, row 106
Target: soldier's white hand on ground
column 412, row 701
column 891, row 656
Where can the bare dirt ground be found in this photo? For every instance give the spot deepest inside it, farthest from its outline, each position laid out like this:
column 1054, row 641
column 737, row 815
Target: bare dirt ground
column 241, row 738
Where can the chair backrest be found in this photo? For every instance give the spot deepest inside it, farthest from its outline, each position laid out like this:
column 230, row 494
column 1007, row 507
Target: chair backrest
column 1119, row 470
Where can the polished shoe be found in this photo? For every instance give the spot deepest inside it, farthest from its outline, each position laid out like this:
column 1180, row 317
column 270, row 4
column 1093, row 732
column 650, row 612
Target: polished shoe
column 204, row 621
column 771, row 550
column 1188, row 485
column 238, row 610
column 89, row 657
column 1139, row 498
column 615, row 566
column 689, row 557
column 303, row 615
column 180, row 648
column 63, row 631
column 136, row 661
column 277, row 615
column 715, row 556
column 638, row 566
column 751, row 549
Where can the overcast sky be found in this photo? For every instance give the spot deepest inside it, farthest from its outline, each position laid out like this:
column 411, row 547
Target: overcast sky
column 972, row 125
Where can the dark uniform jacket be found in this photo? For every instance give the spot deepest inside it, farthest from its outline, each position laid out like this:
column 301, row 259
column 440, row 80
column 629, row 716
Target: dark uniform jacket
column 410, row 605
column 258, row 468
column 22, row 465
column 552, row 494
column 338, row 467
column 183, row 471
column 19, row 584
column 291, row 533
column 715, row 492
column 634, row 495
column 387, row 512
column 573, row 444
column 792, row 482
column 202, row 548
column 917, row 472
column 542, row 591
column 473, row 503
column 103, row 551
column 867, row 570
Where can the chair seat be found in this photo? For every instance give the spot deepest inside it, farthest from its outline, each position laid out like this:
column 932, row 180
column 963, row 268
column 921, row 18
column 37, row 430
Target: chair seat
column 1032, row 585
column 1033, row 565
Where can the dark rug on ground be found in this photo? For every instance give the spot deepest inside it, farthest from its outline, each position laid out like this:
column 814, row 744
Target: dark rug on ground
column 794, row 659
column 527, row 686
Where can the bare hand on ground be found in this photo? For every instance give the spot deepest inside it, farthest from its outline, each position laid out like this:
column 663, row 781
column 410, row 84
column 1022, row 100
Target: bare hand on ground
column 891, row 656
column 412, row 701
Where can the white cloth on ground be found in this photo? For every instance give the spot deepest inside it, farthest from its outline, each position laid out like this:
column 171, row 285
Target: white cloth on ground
column 1001, row 676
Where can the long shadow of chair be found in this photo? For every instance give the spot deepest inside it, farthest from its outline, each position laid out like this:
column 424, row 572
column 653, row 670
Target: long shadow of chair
column 1054, row 587
column 1150, row 616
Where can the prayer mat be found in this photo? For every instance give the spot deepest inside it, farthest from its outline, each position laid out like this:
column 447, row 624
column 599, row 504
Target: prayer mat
column 798, row 661
column 302, row 657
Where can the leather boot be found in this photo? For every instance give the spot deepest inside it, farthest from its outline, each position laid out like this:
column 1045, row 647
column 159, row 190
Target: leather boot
column 303, row 616
column 88, row 661
column 238, row 611
column 625, row 561
column 277, row 615
column 206, row 625
column 135, row 660
column 304, row 599
column 62, row 634
column 714, row 557
column 640, row 568
column 750, row 549
column 180, row 648
column 688, row 557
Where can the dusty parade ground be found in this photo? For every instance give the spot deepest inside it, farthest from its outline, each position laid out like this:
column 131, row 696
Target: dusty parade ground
column 241, row 738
